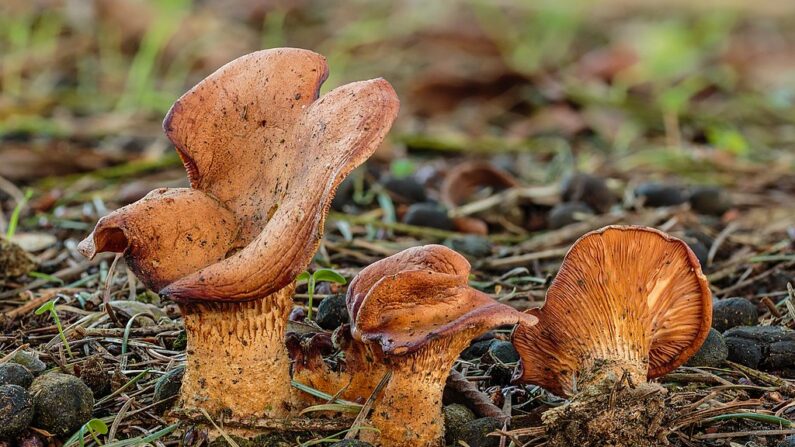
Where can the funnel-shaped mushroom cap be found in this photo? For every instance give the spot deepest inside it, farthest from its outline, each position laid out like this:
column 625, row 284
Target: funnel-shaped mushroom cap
column 421, row 295
column 166, row 235
column 633, row 295
column 255, row 136
column 466, row 178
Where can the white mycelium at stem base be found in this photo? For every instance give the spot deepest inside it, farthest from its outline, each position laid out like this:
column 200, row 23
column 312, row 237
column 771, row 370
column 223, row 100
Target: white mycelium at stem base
column 628, row 304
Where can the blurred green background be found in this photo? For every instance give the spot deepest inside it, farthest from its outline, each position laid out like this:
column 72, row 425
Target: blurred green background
column 85, row 83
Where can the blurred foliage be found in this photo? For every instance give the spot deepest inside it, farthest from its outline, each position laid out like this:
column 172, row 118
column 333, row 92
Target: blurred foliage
column 473, row 75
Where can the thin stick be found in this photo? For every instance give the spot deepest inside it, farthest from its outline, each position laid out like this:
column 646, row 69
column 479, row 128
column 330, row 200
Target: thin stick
column 366, row 407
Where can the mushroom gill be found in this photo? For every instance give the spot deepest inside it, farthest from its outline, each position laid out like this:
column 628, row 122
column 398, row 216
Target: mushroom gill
column 418, row 313
column 264, row 156
column 628, row 304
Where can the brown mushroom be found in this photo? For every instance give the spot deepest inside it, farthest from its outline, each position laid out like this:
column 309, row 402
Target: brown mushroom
column 465, row 179
column 417, row 310
column 355, row 373
column 628, row 304
column 264, row 156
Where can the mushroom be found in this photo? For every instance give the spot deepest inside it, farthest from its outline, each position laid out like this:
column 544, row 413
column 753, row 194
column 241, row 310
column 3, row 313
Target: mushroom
column 465, row 179
column 264, row 156
column 353, row 376
column 418, row 313
column 628, row 304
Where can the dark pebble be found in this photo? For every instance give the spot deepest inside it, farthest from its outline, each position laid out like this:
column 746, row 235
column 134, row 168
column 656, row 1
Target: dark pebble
column 30, row 360
column 470, row 245
column 456, row 416
column 503, row 352
column 658, row 194
column 428, row 215
column 567, row 213
column 732, row 312
column 297, row 314
column 167, row 386
column 744, row 352
column 16, row 410
column 332, row 312
column 712, row 353
column 63, row 403
column 405, row 189
column 589, row 189
column 766, row 334
column 766, row 347
column 475, row 433
column 780, row 355
column 477, row 349
column 711, row 200
column 15, row 374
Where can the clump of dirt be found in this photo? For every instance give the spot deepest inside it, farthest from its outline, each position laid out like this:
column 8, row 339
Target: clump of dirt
column 14, row 261
column 94, row 373
column 624, row 416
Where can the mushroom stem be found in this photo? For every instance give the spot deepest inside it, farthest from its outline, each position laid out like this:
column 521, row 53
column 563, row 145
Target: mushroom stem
column 237, row 359
column 409, row 411
column 600, row 375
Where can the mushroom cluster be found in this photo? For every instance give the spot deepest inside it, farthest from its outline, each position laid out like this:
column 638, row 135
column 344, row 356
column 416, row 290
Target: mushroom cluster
column 628, row 304
column 264, row 156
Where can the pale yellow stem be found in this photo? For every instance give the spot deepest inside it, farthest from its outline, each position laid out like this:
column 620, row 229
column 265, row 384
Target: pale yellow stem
column 237, row 361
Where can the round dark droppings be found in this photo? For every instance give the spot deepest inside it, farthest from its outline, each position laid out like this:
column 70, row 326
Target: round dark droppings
column 659, row 194
column 476, row 433
column 588, row 189
column 711, row 200
column 732, row 312
column 471, row 245
column 15, row 374
column 405, row 189
column 63, row 403
column 16, row 410
column 503, row 352
column 456, row 416
column 428, row 215
column 477, row 349
column 743, row 351
column 332, row 312
column 712, row 353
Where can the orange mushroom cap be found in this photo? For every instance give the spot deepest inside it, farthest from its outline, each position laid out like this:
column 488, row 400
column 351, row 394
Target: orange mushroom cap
column 629, row 294
column 255, row 137
column 160, row 245
column 419, row 295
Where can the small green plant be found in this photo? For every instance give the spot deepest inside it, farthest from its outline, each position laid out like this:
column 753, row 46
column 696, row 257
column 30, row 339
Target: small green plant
column 402, row 168
column 49, row 306
column 94, row 428
column 312, row 279
column 14, row 220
